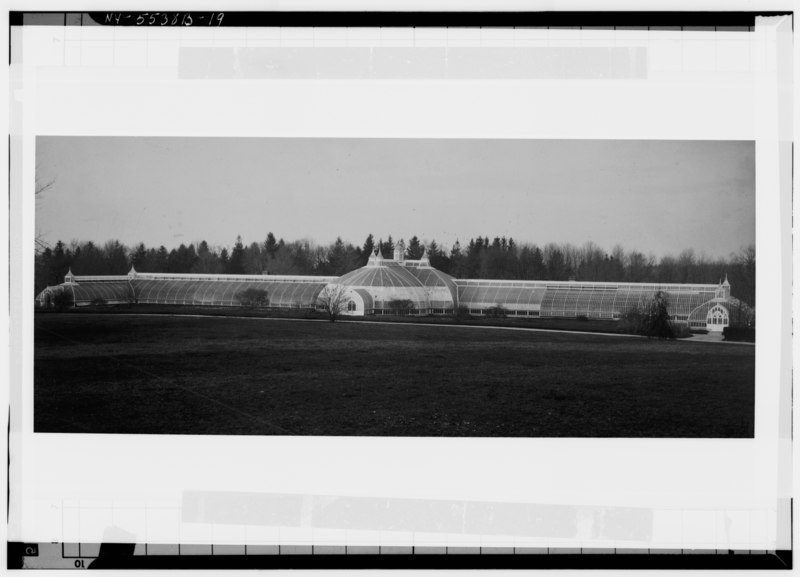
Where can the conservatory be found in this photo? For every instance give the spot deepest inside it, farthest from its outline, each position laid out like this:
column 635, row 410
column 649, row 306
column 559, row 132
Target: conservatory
column 401, row 286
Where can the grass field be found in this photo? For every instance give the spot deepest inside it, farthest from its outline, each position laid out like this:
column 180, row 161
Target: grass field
column 187, row 375
column 595, row 325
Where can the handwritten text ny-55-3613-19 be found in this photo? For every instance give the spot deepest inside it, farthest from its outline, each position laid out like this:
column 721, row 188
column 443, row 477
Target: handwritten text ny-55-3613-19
column 163, row 18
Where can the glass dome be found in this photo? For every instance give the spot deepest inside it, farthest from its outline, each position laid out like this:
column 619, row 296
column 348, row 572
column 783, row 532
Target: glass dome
column 386, row 286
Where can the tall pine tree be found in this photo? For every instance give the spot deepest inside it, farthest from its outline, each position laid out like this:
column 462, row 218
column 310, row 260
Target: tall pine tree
column 236, row 262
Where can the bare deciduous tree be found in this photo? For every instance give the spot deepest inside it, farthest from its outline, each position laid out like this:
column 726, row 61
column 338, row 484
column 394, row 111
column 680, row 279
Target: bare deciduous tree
column 334, row 300
column 41, row 187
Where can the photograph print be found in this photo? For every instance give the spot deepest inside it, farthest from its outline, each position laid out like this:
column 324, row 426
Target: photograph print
column 394, row 287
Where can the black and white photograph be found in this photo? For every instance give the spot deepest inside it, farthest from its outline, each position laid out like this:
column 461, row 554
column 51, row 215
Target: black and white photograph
column 369, row 287
column 395, row 287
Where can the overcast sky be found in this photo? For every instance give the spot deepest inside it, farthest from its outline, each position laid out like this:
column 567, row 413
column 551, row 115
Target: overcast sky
column 658, row 197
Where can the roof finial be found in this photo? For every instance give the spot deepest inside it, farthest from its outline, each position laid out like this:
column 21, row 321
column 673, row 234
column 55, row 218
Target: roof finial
column 399, row 250
column 375, row 258
column 423, row 260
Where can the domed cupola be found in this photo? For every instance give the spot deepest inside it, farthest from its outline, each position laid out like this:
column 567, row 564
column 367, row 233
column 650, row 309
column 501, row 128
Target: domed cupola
column 386, row 285
column 380, row 272
column 389, row 286
column 442, row 289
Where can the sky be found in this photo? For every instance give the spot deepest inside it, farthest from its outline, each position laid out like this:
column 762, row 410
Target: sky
column 658, row 197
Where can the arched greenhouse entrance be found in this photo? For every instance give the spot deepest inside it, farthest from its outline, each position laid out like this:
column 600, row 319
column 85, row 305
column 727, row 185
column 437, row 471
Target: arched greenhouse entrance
column 717, row 319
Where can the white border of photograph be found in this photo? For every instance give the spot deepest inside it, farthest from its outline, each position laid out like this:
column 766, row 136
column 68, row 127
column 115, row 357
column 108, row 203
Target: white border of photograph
column 703, row 493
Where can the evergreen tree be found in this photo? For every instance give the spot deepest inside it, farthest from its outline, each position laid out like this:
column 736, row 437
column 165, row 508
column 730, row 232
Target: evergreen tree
column 340, row 258
column 414, row 249
column 456, row 261
column 161, row 259
column 60, row 264
column 182, row 259
column 139, row 258
column 438, row 257
column 271, row 245
column 387, row 248
column 42, row 263
column 655, row 318
column 473, row 258
column 172, row 261
column 208, row 261
column 88, row 260
column 367, row 250
column 236, row 262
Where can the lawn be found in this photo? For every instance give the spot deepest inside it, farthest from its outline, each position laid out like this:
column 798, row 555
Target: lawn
column 193, row 375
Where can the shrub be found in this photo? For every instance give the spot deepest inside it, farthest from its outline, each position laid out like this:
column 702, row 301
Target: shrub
column 742, row 334
column 631, row 321
column 253, row 298
column 461, row 313
column 98, row 302
column 495, row 312
column 681, row 331
column 741, row 314
column 401, row 306
column 582, row 318
column 63, row 300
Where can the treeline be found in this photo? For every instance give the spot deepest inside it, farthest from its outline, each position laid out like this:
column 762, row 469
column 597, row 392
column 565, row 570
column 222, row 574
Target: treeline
column 499, row 258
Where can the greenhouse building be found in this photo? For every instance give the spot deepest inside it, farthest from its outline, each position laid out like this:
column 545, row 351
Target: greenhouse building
column 402, row 286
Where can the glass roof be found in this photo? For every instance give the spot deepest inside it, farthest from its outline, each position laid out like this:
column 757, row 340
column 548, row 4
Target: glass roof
column 385, row 274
